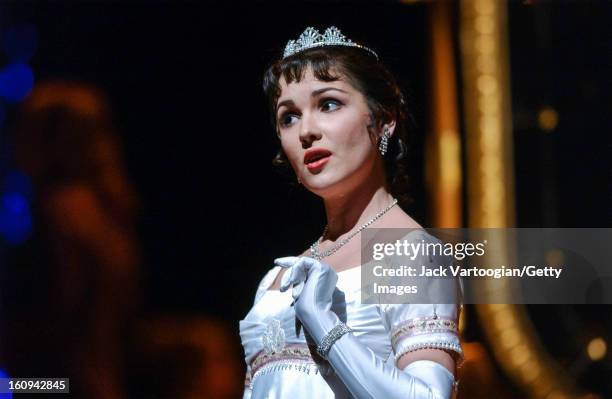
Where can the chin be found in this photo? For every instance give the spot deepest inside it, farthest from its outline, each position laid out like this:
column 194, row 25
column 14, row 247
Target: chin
column 324, row 186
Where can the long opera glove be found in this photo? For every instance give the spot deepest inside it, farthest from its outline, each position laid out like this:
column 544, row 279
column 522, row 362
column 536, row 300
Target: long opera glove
column 362, row 372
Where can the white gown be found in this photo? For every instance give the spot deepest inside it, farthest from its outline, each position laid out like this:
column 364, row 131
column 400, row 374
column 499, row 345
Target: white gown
column 280, row 364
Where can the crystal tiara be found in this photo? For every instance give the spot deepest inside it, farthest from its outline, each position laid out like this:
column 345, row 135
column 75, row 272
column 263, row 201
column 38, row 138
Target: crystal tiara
column 311, row 38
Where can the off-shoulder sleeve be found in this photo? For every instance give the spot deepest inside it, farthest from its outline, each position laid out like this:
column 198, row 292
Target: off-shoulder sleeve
column 414, row 326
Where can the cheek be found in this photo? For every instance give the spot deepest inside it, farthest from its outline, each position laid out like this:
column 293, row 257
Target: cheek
column 291, row 152
column 356, row 138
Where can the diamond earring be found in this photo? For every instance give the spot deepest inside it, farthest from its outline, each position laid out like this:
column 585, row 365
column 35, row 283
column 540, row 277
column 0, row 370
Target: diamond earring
column 384, row 142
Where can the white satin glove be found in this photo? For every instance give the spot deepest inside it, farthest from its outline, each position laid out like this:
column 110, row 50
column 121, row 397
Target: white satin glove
column 361, row 371
column 313, row 283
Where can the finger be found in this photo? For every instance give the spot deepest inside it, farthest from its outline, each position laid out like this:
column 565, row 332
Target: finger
column 287, row 261
column 301, row 269
column 310, row 263
column 297, row 290
column 286, row 280
column 296, row 274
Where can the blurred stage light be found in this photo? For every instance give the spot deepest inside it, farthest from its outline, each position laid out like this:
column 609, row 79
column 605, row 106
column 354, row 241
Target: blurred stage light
column 597, row 349
column 548, row 119
column 17, row 181
column 2, row 115
column 16, row 81
column 20, row 42
column 15, row 214
column 555, row 257
column 4, row 374
column 15, row 218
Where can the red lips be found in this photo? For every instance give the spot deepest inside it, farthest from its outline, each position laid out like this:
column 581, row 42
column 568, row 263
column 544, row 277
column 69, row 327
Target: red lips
column 315, row 154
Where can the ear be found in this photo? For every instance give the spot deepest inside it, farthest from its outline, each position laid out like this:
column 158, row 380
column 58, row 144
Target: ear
column 389, row 126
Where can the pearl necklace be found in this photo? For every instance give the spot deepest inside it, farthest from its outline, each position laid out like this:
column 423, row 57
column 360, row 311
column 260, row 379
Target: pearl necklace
column 314, row 248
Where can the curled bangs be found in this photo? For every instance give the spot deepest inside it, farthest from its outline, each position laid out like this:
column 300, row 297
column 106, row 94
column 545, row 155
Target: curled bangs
column 324, row 65
column 367, row 75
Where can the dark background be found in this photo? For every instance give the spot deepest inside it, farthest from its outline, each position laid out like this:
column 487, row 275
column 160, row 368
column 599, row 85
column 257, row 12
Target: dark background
column 184, row 79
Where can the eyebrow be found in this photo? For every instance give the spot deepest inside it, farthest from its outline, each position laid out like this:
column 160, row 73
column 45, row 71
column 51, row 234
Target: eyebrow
column 313, row 94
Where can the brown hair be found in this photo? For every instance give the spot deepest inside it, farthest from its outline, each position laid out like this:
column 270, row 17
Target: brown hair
column 370, row 77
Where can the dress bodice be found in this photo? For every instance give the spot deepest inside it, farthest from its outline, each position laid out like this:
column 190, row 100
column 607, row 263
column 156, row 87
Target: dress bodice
column 271, row 326
column 280, row 364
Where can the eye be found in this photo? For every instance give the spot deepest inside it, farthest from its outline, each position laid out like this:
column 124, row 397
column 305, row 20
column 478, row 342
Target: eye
column 287, row 119
column 328, row 105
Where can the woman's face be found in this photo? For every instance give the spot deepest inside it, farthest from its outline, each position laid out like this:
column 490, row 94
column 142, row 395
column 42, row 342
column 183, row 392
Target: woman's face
column 323, row 127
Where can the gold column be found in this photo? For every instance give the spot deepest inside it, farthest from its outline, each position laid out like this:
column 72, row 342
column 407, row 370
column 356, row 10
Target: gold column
column 443, row 147
column 486, row 95
column 484, row 53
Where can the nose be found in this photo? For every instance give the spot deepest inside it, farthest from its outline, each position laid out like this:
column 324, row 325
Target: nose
column 309, row 130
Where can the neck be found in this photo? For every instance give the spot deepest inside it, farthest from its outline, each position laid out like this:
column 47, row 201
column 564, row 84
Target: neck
column 353, row 209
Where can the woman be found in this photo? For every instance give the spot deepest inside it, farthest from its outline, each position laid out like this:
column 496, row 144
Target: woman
column 81, row 265
column 339, row 116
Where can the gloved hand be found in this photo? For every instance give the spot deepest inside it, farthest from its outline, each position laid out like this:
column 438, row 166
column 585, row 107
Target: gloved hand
column 313, row 284
column 364, row 374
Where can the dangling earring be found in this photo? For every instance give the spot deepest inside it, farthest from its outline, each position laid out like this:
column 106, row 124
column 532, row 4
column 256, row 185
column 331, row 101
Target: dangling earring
column 299, row 180
column 384, row 141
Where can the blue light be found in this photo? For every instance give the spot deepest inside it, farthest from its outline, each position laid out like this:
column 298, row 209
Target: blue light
column 2, row 115
column 16, row 181
column 16, row 81
column 15, row 218
column 15, row 203
column 15, row 214
column 20, row 42
column 4, row 374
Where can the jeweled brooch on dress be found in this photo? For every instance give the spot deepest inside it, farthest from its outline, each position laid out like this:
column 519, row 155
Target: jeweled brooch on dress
column 273, row 339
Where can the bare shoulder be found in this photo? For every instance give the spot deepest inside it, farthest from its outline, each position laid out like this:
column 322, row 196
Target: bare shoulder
column 397, row 218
